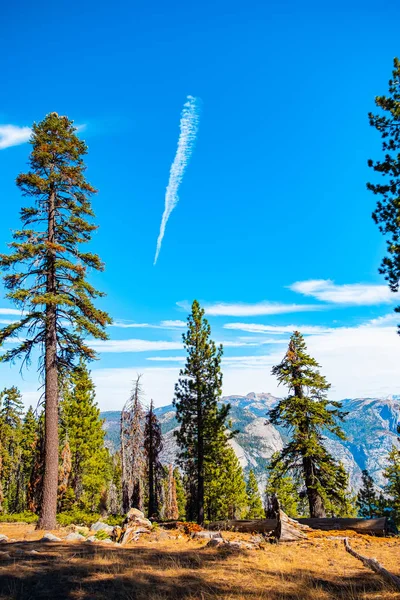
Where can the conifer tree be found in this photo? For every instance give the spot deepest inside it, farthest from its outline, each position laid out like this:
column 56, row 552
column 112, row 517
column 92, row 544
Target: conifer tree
column 28, row 448
column 308, row 414
column 225, row 490
column 48, row 275
column 201, row 436
column 35, row 486
column 153, row 446
column 82, row 430
column 392, row 474
column 387, row 212
column 367, row 498
column 255, row 507
column 11, row 410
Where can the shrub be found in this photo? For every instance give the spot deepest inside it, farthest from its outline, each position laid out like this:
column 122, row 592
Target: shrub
column 24, row 517
column 77, row 517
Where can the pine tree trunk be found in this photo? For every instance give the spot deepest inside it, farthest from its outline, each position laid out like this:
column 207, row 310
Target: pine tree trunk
column 315, row 502
column 48, row 512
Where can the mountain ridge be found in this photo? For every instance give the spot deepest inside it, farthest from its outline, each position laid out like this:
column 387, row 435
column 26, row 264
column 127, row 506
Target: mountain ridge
column 370, row 428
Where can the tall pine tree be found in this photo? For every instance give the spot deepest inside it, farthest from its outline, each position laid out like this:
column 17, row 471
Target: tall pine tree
column 307, row 413
column 11, row 410
column 48, row 279
column 387, row 212
column 201, row 436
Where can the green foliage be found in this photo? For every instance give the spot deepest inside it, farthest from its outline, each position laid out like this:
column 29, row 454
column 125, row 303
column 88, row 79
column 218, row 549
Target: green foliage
column 101, row 535
column 180, row 494
column 367, row 498
column 392, row 474
column 152, row 447
column 387, row 212
column 201, row 438
column 77, row 517
column 286, row 490
column 57, row 184
column 11, row 466
column 308, row 414
column 81, row 426
column 22, row 517
column 255, row 508
column 225, row 488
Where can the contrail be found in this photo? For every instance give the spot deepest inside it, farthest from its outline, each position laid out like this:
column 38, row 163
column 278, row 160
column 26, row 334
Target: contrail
column 189, row 125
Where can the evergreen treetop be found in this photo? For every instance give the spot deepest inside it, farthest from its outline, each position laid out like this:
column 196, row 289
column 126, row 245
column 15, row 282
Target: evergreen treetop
column 308, row 414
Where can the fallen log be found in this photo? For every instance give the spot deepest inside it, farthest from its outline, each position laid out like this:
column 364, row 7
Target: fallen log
column 244, row 526
column 378, row 527
column 374, row 565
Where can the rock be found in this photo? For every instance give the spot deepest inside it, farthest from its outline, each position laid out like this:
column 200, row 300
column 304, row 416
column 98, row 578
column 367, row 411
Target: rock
column 107, row 541
column 133, row 514
column 100, row 526
column 3, row 539
column 50, row 537
column 91, row 539
column 215, row 542
column 206, row 535
column 134, row 524
column 75, row 537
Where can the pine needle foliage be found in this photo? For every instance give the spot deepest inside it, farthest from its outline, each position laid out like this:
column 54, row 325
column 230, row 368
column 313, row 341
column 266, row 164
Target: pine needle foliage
column 201, row 436
column 308, row 414
column 367, row 497
column 255, row 508
column 392, row 474
column 387, row 212
column 46, row 275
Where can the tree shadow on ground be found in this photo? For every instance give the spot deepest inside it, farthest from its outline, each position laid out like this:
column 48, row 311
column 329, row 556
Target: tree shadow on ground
column 78, row 571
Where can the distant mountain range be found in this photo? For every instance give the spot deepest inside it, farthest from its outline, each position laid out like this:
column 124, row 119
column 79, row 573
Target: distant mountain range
column 370, row 426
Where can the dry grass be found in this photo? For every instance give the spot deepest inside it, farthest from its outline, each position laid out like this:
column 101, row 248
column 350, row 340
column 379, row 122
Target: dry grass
column 180, row 568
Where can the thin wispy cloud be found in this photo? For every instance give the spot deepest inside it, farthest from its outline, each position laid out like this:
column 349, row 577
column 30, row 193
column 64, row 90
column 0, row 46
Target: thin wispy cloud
column 169, row 324
column 133, row 345
column 189, row 125
column 225, row 309
column 356, row 294
column 277, row 329
column 10, row 311
column 12, row 135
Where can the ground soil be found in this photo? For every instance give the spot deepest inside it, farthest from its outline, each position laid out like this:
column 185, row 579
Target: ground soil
column 169, row 566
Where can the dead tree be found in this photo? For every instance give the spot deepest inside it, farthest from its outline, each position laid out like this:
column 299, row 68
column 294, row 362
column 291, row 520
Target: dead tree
column 133, row 460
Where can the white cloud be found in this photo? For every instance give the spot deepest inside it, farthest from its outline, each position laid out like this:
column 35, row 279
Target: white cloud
column 133, row 345
column 177, row 324
column 11, row 135
column 10, row 311
column 259, row 308
column 359, row 294
column 277, row 329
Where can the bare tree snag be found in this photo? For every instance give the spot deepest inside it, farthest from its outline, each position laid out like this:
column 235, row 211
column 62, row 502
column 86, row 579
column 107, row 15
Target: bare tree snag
column 373, row 565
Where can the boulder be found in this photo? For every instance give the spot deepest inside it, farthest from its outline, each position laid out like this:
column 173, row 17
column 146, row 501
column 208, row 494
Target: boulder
column 91, row 539
column 100, row 526
column 206, row 535
column 133, row 526
column 3, row 539
column 50, row 537
column 134, row 513
column 75, row 537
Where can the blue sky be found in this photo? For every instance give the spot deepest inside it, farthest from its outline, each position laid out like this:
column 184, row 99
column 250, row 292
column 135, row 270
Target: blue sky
column 274, row 193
